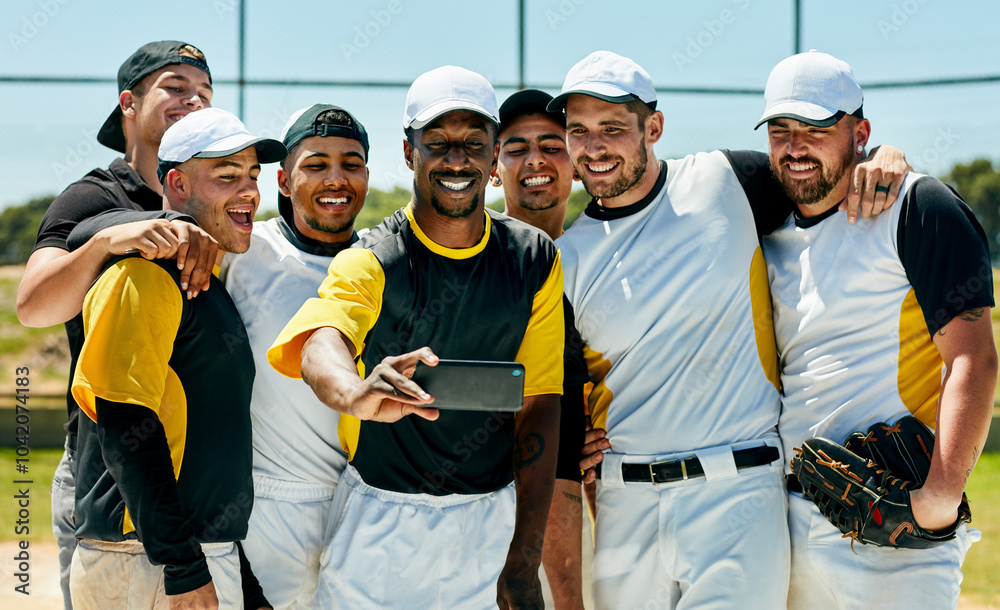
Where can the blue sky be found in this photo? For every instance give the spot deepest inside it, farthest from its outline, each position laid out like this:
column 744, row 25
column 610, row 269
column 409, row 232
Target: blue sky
column 48, row 130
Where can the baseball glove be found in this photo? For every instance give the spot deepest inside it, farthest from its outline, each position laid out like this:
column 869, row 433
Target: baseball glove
column 864, row 500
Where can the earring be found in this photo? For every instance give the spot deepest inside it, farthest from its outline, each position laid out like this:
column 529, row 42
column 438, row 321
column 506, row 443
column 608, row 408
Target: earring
column 861, row 148
column 496, row 180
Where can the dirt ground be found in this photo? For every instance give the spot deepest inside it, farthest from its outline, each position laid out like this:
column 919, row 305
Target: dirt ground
column 46, row 595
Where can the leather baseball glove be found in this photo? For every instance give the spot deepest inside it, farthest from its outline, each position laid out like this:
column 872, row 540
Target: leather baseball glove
column 864, row 488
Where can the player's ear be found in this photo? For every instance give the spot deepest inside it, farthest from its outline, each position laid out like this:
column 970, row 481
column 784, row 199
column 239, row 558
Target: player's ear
column 862, row 131
column 283, row 182
column 654, row 127
column 408, row 153
column 177, row 185
column 126, row 101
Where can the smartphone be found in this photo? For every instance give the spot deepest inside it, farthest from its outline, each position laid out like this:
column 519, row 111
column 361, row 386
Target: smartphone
column 473, row 385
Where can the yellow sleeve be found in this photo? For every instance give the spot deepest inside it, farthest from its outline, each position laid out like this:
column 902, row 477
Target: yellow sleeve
column 350, row 300
column 130, row 318
column 541, row 350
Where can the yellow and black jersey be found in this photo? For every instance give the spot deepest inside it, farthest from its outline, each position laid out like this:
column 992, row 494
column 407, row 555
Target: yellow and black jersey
column 396, row 291
column 189, row 363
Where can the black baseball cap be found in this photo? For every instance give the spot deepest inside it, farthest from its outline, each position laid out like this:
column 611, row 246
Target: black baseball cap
column 527, row 101
column 148, row 59
column 302, row 124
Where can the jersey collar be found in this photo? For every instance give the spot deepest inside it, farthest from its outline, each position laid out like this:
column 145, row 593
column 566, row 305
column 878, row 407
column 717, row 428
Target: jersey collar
column 804, row 223
column 286, row 224
column 599, row 212
column 436, row 248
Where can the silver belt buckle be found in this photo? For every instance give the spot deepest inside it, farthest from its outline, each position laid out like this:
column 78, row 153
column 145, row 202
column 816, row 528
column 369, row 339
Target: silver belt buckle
column 652, row 471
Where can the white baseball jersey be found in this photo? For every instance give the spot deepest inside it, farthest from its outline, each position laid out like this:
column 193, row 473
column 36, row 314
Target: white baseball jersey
column 670, row 296
column 856, row 307
column 294, row 435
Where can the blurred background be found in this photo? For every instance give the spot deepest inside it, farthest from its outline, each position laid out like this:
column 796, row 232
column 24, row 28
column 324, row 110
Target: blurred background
column 930, row 70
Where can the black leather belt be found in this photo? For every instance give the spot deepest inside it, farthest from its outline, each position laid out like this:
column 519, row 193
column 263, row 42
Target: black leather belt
column 792, row 483
column 690, row 467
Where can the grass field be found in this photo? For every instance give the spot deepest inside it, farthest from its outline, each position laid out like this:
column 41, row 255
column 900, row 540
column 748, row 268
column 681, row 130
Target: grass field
column 980, row 585
column 41, row 465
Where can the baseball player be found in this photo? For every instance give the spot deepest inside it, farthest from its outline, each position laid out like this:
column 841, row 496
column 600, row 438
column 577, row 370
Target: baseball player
column 160, row 83
column 297, row 454
column 665, row 275
column 921, row 274
column 426, row 512
column 536, row 174
column 157, row 516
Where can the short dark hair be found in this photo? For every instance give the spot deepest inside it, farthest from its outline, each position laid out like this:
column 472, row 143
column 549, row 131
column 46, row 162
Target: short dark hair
column 640, row 109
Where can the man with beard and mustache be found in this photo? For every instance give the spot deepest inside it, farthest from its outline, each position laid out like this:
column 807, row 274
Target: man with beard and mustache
column 425, row 511
column 164, row 488
column 920, row 274
column 536, row 174
column 665, row 276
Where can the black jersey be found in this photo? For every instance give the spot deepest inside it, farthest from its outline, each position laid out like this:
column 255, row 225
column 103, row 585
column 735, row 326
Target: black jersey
column 396, row 291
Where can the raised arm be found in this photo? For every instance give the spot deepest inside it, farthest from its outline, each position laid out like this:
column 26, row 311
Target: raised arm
column 386, row 395
column 876, row 182
column 56, row 279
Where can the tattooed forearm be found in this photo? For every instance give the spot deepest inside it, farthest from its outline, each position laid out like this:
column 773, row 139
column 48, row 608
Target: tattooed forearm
column 526, row 452
column 975, row 458
column 971, row 315
column 572, row 497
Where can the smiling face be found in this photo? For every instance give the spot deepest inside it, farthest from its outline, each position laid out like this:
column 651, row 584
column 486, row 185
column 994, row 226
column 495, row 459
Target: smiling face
column 327, row 180
column 610, row 148
column 163, row 98
column 534, row 165
column 221, row 195
column 451, row 159
column 813, row 163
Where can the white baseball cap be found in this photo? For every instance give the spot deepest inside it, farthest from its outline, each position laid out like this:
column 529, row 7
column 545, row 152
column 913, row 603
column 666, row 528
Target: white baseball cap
column 445, row 89
column 609, row 77
column 811, row 87
column 212, row 133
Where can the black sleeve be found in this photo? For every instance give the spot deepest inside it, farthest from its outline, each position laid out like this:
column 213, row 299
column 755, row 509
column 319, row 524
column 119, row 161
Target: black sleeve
column 768, row 201
column 79, row 201
column 944, row 251
column 571, row 416
column 574, row 364
column 89, row 227
column 144, row 473
column 253, row 593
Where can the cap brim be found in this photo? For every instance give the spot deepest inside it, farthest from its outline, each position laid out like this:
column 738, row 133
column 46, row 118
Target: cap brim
column 810, row 114
column 268, row 150
column 111, row 134
column 558, row 103
column 432, row 112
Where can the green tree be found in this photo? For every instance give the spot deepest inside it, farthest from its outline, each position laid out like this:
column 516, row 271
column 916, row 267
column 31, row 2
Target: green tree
column 578, row 200
column 379, row 205
column 979, row 184
column 18, row 229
